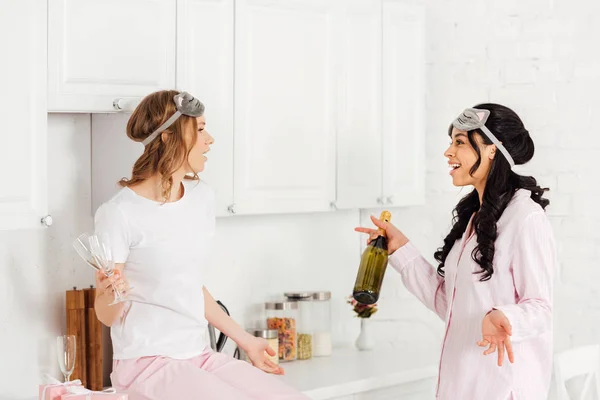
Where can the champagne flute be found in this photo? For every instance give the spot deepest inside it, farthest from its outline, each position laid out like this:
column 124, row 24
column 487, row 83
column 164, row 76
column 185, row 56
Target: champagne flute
column 95, row 251
column 66, row 349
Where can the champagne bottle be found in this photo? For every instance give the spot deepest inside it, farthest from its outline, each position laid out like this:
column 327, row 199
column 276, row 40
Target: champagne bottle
column 372, row 267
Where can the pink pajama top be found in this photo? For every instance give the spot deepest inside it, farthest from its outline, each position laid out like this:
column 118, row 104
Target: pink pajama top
column 521, row 287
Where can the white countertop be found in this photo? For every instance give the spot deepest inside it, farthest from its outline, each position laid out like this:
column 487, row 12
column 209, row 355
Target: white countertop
column 348, row 371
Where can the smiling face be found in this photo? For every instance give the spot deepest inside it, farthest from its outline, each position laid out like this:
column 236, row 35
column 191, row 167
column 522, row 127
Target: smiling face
column 197, row 157
column 462, row 157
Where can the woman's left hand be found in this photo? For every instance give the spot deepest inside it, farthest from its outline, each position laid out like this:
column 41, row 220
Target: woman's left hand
column 496, row 331
column 257, row 350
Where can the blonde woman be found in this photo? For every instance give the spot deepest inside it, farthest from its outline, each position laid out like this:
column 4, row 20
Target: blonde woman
column 160, row 226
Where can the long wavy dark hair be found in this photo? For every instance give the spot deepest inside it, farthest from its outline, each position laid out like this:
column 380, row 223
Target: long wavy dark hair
column 501, row 185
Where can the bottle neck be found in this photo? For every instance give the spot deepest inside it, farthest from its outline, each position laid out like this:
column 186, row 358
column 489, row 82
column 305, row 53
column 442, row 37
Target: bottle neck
column 380, row 242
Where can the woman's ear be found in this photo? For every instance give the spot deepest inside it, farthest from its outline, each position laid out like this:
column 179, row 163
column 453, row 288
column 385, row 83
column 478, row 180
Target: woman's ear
column 492, row 152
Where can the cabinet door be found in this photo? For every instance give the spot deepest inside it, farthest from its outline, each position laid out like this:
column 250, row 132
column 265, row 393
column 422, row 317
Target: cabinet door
column 100, row 51
column 403, row 103
column 285, row 99
column 359, row 151
column 205, row 69
column 23, row 192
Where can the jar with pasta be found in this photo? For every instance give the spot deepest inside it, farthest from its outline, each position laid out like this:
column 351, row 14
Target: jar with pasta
column 283, row 317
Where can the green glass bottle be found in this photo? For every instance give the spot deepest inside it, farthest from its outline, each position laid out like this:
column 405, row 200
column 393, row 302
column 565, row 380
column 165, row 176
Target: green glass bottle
column 373, row 264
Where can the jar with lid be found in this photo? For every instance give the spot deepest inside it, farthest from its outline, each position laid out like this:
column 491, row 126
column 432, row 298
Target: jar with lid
column 272, row 338
column 282, row 316
column 321, row 313
column 305, row 323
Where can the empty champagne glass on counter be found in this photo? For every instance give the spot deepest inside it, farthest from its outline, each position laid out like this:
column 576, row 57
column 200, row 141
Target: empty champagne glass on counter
column 66, row 349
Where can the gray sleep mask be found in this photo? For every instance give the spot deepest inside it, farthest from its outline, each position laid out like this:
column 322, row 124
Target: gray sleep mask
column 475, row 118
column 186, row 104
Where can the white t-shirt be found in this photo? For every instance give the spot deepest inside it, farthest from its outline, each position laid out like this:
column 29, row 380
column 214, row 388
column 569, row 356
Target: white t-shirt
column 164, row 248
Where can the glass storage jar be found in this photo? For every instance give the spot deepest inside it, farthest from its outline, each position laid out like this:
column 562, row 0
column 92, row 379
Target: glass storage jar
column 305, row 323
column 272, row 338
column 283, row 316
column 321, row 314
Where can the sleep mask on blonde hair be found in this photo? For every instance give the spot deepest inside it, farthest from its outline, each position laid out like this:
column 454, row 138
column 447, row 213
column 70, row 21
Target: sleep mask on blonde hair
column 186, row 104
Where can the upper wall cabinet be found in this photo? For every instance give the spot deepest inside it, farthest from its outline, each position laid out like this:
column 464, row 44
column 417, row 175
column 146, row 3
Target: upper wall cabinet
column 205, row 69
column 314, row 104
column 24, row 189
column 285, row 100
column 108, row 52
column 403, row 103
column 381, row 127
column 359, row 134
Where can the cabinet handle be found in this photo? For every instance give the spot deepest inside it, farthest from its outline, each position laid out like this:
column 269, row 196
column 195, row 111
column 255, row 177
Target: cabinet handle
column 380, row 200
column 125, row 105
column 47, row 220
column 231, row 209
column 333, row 205
column 118, row 104
column 390, row 200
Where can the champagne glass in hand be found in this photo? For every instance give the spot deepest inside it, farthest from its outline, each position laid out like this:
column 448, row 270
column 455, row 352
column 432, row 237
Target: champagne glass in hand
column 95, row 250
column 66, row 349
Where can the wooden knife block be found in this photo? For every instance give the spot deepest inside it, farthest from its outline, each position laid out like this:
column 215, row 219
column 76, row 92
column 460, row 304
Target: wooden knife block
column 82, row 322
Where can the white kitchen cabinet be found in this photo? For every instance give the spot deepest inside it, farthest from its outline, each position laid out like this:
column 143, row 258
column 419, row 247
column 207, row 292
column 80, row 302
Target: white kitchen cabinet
column 23, row 192
column 102, row 51
column 403, row 103
column 314, row 105
column 205, row 69
column 359, row 135
column 286, row 68
column 381, row 137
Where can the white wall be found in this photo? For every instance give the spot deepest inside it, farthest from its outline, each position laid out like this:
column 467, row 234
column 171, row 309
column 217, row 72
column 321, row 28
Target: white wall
column 539, row 57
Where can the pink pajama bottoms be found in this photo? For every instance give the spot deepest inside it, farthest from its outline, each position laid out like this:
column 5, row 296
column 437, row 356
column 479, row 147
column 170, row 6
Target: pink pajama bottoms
column 209, row 376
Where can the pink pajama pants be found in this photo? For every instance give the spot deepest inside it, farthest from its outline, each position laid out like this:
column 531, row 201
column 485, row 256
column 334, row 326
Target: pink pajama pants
column 209, row 376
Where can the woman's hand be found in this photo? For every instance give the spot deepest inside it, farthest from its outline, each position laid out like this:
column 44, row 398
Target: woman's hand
column 257, row 349
column 107, row 284
column 395, row 238
column 496, row 331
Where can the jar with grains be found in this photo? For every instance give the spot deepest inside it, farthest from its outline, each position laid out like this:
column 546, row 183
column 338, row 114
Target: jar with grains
column 305, row 325
column 282, row 316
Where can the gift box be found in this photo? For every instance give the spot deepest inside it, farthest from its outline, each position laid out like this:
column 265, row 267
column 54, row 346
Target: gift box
column 81, row 393
column 55, row 389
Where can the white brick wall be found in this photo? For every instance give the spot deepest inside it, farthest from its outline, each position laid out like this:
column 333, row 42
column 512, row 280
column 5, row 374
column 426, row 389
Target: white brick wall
column 539, row 58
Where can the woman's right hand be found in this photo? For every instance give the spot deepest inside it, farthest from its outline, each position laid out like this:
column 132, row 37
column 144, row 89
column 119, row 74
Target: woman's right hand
column 395, row 238
column 107, row 284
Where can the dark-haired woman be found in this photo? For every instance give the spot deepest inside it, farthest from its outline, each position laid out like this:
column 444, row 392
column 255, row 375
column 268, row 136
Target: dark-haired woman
column 493, row 284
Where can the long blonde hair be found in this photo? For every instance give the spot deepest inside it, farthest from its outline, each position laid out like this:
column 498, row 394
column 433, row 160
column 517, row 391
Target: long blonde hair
column 162, row 156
